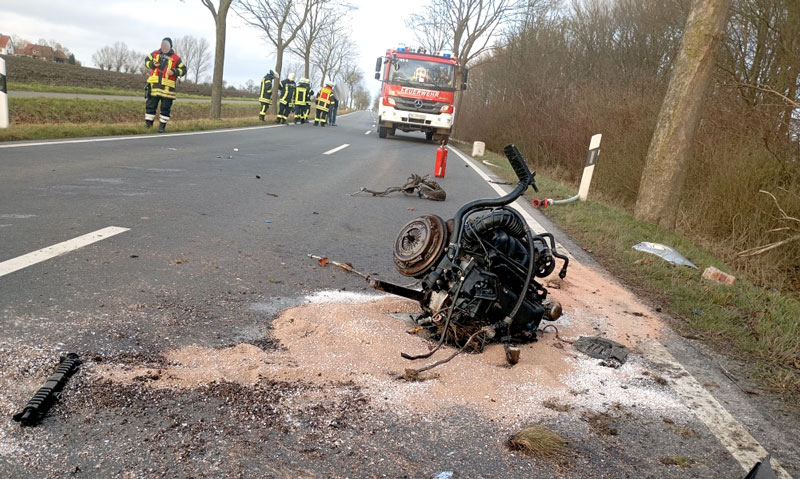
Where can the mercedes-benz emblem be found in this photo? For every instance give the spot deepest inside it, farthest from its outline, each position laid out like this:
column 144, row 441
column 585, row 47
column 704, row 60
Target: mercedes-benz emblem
column 418, row 103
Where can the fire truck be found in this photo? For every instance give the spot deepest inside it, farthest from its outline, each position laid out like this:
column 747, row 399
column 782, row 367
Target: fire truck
column 417, row 92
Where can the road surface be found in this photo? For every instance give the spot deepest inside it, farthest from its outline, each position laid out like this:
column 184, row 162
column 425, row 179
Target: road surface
column 200, row 240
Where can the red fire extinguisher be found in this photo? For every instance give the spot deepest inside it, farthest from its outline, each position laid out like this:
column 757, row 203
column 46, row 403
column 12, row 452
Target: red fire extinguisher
column 441, row 161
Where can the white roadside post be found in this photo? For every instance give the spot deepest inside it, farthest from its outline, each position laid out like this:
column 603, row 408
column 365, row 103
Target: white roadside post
column 586, row 179
column 588, row 170
column 3, row 95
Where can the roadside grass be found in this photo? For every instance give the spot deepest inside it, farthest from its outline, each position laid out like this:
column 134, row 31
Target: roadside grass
column 72, row 130
column 105, row 91
column 756, row 325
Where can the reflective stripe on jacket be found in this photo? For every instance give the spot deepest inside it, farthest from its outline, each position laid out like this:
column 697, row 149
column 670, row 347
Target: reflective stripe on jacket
column 161, row 79
column 266, row 90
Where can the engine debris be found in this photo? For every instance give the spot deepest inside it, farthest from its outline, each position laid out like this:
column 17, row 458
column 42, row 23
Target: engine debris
column 44, row 398
column 478, row 272
column 416, row 185
column 602, row 348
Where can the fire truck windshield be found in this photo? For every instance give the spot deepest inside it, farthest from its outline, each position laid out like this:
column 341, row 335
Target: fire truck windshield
column 430, row 74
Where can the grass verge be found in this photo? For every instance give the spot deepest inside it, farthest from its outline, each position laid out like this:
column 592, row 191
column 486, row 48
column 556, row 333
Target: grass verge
column 103, row 91
column 759, row 326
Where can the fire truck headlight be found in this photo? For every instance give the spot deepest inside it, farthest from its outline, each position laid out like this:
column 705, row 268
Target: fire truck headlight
column 446, row 109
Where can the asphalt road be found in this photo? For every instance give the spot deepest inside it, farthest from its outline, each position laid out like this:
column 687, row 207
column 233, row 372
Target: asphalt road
column 219, row 222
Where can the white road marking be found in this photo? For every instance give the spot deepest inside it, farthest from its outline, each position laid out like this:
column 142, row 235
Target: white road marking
column 368, row 132
column 338, row 148
column 16, row 264
column 133, row 137
column 15, row 216
column 741, row 445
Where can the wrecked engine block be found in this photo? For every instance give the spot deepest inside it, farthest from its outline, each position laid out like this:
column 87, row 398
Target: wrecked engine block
column 478, row 270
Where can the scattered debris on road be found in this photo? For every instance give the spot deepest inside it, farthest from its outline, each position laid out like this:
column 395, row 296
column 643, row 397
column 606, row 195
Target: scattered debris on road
column 667, row 253
column 48, row 394
column 602, row 348
column 416, row 185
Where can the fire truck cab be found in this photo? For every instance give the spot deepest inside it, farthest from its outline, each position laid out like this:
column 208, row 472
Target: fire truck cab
column 417, row 92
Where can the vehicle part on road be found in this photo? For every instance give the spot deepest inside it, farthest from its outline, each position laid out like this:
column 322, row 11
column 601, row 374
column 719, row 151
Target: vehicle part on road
column 762, row 470
column 44, row 398
column 323, row 260
column 665, row 252
column 478, row 271
column 512, row 353
column 421, row 186
column 602, row 348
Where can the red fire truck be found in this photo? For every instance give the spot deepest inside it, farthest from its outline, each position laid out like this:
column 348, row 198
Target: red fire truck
column 418, row 91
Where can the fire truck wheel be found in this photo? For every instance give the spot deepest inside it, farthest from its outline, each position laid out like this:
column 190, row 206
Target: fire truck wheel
column 382, row 130
column 429, row 135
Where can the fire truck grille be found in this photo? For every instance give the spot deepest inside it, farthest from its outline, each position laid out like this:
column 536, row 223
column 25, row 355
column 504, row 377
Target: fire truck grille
column 421, row 106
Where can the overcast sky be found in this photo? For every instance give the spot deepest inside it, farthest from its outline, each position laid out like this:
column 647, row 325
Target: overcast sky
column 85, row 27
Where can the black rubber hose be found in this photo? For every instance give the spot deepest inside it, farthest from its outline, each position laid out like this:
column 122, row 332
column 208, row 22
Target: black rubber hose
column 497, row 219
column 528, row 278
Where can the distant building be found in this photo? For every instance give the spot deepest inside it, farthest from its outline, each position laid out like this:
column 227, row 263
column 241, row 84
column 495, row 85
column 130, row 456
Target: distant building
column 6, row 45
column 43, row 52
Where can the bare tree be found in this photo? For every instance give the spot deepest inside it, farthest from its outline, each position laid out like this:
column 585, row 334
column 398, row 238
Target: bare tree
column 133, row 62
column 352, row 77
column 220, row 21
column 104, row 58
column 280, row 21
column 329, row 52
column 466, row 26
column 195, row 53
column 670, row 148
column 119, row 56
column 325, row 14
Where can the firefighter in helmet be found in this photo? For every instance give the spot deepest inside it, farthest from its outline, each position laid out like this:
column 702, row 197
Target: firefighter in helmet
column 302, row 100
column 266, row 94
column 286, row 95
column 323, row 104
column 165, row 67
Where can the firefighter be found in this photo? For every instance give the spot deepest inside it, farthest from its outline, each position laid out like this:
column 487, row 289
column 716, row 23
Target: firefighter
column 334, row 109
column 323, row 102
column 165, row 68
column 302, row 100
column 266, row 94
column 286, row 94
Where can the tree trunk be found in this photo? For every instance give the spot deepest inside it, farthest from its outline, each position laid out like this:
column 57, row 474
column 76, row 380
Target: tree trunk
column 281, row 76
column 671, row 145
column 219, row 60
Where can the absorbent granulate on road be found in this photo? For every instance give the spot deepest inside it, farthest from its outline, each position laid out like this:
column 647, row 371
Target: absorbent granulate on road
column 342, row 338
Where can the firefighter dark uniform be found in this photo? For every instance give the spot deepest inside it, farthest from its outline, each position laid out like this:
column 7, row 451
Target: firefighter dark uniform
column 286, row 94
column 323, row 104
column 165, row 68
column 265, row 96
column 334, row 109
column 302, row 100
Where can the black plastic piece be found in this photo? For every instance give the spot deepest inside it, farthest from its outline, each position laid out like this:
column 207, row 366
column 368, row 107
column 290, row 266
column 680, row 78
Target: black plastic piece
column 44, row 398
